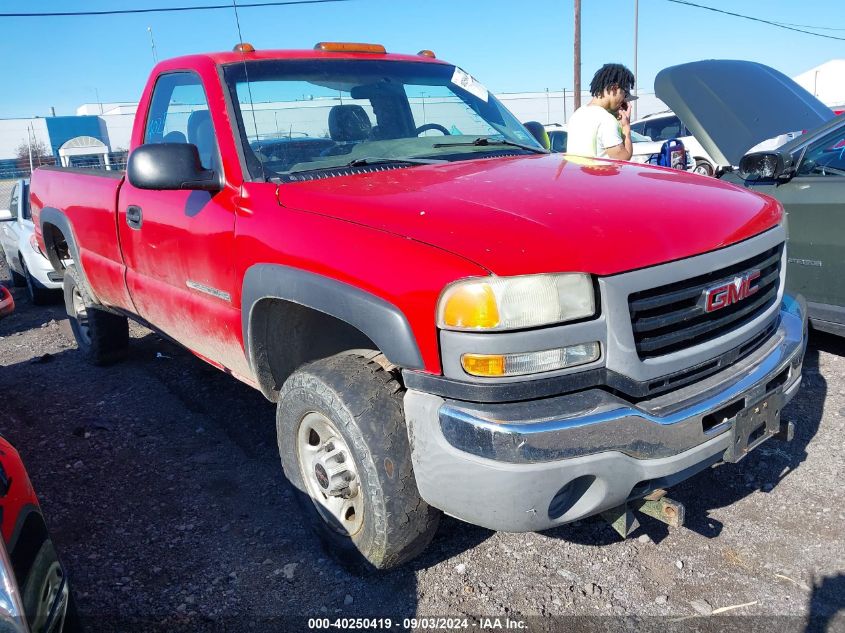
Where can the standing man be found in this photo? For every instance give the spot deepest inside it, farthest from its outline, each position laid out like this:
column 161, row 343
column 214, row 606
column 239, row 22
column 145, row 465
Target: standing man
column 602, row 128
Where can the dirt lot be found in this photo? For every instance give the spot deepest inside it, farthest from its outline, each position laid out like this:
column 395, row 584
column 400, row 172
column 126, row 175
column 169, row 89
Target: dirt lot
column 162, row 487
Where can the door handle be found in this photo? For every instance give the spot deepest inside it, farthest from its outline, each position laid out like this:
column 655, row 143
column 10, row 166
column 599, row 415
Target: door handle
column 134, row 217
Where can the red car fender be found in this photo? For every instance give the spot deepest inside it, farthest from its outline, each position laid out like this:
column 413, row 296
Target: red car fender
column 7, row 302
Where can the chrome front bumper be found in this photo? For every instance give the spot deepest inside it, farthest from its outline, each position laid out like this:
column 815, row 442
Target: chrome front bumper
column 532, row 465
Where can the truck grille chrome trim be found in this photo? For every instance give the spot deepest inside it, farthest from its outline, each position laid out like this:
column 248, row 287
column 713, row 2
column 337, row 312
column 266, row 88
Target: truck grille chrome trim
column 595, row 421
column 673, row 317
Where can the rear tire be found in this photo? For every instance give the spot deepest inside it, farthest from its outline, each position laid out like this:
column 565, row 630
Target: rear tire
column 345, row 414
column 103, row 337
column 38, row 294
column 18, row 280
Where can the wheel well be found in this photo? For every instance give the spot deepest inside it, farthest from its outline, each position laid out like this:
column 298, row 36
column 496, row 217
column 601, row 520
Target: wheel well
column 284, row 335
column 57, row 246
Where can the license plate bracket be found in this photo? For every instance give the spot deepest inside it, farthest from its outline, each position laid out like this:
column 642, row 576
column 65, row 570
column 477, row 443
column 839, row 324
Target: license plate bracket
column 754, row 425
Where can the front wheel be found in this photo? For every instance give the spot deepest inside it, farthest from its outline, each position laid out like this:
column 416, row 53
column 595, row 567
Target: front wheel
column 344, row 447
column 38, row 294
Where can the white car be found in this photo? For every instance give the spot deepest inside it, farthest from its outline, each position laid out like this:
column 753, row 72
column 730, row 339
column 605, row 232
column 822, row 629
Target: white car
column 663, row 126
column 29, row 266
column 645, row 150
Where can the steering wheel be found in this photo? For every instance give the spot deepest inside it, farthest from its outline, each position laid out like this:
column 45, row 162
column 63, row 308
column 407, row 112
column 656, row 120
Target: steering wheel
column 432, row 126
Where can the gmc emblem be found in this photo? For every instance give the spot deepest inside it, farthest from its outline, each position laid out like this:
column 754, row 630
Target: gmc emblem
column 731, row 292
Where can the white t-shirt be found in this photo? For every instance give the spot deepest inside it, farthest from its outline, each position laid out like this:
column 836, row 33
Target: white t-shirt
column 592, row 129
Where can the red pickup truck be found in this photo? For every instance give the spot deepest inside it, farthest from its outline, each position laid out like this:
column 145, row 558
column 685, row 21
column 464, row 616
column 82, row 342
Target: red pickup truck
column 449, row 317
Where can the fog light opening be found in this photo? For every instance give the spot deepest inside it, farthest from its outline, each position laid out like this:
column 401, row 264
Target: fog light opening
column 566, row 498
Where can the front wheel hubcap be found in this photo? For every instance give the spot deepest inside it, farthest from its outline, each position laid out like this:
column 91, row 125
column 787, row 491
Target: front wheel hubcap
column 330, row 475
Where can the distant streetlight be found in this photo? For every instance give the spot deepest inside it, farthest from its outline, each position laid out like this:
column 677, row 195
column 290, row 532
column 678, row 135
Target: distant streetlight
column 152, row 44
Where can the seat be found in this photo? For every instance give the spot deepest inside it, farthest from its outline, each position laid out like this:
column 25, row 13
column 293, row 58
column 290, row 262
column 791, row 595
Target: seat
column 174, row 137
column 201, row 134
column 348, row 124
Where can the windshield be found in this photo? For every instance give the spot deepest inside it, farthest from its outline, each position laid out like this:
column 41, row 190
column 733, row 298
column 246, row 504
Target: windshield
column 296, row 116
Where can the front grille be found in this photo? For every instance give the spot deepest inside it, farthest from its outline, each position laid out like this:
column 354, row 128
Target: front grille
column 672, row 317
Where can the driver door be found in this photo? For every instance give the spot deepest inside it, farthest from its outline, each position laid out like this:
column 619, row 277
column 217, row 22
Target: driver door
column 178, row 245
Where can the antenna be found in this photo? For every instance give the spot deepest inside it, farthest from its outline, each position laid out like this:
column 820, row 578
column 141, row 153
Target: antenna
column 246, row 76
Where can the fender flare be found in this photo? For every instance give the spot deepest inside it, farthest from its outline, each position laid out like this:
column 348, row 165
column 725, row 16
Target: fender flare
column 379, row 320
column 56, row 217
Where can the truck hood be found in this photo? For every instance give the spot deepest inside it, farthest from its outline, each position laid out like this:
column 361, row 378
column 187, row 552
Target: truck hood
column 544, row 213
column 730, row 106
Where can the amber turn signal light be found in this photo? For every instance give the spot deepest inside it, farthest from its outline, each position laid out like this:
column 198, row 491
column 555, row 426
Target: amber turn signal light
column 349, row 47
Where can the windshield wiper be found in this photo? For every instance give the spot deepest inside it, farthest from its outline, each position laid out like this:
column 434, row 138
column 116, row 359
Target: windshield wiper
column 363, row 162
column 366, row 162
column 483, row 140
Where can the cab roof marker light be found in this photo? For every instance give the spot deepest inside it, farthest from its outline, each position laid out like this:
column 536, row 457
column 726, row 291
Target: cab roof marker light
column 243, row 47
column 350, row 47
column 427, row 53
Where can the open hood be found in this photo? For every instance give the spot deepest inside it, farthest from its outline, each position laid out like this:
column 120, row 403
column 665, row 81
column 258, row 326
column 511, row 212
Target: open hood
column 730, row 106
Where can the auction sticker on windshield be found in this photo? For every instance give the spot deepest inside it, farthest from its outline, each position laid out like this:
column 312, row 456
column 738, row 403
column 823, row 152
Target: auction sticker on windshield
column 466, row 81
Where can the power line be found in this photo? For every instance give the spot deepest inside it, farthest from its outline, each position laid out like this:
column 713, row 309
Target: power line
column 165, row 9
column 779, row 25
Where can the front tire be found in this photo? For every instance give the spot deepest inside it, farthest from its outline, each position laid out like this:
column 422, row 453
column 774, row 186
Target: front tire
column 38, row 294
column 43, row 586
column 103, row 337
column 344, row 447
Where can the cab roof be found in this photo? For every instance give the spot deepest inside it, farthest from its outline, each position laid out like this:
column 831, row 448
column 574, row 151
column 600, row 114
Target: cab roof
column 230, row 57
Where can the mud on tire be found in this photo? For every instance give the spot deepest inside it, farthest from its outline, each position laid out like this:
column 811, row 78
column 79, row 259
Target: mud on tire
column 103, row 337
column 359, row 395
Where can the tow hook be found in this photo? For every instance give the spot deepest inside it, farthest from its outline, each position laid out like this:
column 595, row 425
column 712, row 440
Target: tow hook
column 656, row 505
column 786, row 432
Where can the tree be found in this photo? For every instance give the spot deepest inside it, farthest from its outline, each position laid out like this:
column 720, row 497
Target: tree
column 41, row 155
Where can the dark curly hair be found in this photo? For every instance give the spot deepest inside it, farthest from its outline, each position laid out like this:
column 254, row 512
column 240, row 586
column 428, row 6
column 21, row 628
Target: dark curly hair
column 611, row 75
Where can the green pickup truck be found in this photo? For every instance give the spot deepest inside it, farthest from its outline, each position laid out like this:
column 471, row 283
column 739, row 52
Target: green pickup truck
column 742, row 112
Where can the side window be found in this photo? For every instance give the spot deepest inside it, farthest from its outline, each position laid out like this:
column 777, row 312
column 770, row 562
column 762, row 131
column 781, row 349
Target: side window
column 663, row 128
column 179, row 114
column 13, row 201
column 638, row 128
column 825, row 157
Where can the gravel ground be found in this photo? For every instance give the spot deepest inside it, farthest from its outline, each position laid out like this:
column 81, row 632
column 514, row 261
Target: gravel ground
column 162, row 487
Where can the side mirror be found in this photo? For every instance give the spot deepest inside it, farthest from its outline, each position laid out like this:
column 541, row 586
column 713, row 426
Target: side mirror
column 764, row 166
column 6, row 215
column 539, row 133
column 169, row 166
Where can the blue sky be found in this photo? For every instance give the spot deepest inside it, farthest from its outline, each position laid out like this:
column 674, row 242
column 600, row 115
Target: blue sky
column 509, row 46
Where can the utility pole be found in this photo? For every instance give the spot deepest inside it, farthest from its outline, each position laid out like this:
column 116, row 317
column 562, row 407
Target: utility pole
column 636, row 34
column 577, row 73
column 29, row 143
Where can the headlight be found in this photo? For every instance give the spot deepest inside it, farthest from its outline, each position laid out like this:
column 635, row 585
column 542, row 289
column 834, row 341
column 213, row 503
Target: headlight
column 510, row 303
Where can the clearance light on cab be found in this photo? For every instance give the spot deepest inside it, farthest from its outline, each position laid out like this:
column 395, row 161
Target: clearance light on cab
column 244, row 47
column 349, row 47
column 500, row 365
column 427, row 53
column 509, row 303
